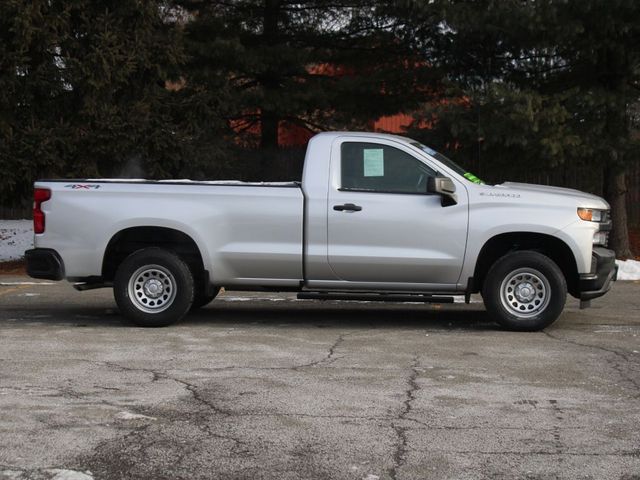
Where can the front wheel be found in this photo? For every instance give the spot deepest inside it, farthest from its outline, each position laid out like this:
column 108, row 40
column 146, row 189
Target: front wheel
column 524, row 291
column 153, row 287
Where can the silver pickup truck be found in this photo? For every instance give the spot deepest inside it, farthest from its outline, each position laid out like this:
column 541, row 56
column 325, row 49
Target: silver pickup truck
column 376, row 217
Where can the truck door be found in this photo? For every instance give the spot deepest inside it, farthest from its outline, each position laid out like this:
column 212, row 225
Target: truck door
column 382, row 225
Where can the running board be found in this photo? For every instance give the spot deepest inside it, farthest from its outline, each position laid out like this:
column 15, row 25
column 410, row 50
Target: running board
column 374, row 297
column 81, row 287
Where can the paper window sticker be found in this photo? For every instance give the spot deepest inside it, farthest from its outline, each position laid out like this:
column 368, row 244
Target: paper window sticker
column 373, row 162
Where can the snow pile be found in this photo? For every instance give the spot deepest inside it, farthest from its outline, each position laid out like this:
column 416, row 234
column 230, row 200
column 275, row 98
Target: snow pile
column 628, row 269
column 16, row 236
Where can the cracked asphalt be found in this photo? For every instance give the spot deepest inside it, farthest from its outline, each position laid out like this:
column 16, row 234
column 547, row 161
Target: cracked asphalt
column 263, row 386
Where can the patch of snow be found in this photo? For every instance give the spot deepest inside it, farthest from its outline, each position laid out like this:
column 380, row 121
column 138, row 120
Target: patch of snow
column 114, row 180
column 198, row 182
column 63, row 474
column 628, row 269
column 371, row 476
column 250, row 299
column 132, row 416
column 16, row 236
column 236, row 299
column 234, row 183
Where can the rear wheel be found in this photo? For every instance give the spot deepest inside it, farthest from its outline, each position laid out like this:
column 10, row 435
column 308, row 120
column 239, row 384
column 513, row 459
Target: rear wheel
column 524, row 291
column 153, row 287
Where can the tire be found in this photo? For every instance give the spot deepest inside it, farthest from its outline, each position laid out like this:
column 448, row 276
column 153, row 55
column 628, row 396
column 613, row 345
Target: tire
column 153, row 287
column 200, row 298
column 524, row 291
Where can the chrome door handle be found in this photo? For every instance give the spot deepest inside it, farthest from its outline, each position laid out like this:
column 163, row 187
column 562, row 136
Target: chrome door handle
column 348, row 207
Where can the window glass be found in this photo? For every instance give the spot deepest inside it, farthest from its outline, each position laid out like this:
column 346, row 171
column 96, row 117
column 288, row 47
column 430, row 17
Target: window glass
column 380, row 168
column 449, row 163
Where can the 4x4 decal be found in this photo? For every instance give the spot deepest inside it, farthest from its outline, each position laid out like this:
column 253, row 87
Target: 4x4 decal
column 82, row 186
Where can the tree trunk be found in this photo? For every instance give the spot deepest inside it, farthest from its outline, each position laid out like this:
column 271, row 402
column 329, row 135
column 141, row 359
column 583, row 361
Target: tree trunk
column 615, row 191
column 268, row 142
column 268, row 118
column 268, row 130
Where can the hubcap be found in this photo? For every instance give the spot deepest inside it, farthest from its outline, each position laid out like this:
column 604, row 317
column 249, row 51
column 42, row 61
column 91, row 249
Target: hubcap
column 152, row 288
column 525, row 292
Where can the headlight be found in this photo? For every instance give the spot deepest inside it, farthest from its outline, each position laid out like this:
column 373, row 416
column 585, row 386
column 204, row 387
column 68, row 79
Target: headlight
column 591, row 214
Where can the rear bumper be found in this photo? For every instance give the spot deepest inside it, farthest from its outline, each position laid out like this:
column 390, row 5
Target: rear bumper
column 44, row 263
column 604, row 272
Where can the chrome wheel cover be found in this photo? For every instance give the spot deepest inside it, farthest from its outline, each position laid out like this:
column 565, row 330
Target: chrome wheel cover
column 152, row 289
column 525, row 292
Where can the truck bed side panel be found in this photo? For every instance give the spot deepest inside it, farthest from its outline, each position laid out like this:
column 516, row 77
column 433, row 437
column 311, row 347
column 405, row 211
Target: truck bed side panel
column 244, row 233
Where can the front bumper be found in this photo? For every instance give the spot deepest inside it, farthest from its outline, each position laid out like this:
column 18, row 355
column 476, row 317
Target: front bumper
column 44, row 263
column 604, row 272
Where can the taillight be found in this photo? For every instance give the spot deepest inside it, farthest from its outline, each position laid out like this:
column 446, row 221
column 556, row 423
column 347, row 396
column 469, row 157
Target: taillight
column 39, row 195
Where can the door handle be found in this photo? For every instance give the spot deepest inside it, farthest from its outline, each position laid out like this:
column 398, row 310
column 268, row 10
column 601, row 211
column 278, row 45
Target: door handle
column 348, row 207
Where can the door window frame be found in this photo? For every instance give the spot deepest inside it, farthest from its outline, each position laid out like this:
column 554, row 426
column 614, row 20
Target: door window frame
column 335, row 164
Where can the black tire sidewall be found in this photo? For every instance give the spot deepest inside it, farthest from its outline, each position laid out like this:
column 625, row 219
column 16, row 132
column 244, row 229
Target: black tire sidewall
column 184, row 287
column 524, row 259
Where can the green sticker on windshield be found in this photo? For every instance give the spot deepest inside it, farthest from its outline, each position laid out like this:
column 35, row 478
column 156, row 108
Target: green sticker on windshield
column 472, row 178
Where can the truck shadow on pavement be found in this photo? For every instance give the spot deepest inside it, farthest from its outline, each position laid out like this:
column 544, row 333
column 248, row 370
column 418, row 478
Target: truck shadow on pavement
column 272, row 314
column 344, row 315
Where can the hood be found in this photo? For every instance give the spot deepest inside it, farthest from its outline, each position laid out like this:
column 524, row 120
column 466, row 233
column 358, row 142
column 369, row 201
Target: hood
column 582, row 199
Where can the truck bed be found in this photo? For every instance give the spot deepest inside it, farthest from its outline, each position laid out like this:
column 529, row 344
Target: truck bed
column 251, row 234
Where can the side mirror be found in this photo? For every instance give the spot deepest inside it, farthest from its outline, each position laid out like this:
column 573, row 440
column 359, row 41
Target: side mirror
column 445, row 187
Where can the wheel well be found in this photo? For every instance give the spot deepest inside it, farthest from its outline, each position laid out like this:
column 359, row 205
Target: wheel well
column 552, row 247
column 130, row 240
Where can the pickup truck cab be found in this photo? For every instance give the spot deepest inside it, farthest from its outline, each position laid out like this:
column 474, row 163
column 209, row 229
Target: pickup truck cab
column 376, row 216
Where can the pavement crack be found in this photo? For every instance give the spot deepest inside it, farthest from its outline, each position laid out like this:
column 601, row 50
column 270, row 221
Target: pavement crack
column 197, row 396
column 400, row 452
column 615, row 365
column 160, row 375
column 329, row 357
column 155, row 375
column 587, row 345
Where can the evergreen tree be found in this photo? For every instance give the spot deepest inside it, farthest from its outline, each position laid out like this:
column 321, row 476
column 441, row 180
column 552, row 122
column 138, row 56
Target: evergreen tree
column 315, row 64
column 83, row 93
column 32, row 92
column 545, row 83
column 599, row 40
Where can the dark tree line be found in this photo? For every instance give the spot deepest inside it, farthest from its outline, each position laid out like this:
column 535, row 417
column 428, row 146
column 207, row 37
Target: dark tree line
column 188, row 88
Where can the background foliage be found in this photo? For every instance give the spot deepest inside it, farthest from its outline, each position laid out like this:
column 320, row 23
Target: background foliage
column 543, row 91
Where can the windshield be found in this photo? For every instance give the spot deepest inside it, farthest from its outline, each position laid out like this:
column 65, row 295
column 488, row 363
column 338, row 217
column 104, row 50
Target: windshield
column 449, row 163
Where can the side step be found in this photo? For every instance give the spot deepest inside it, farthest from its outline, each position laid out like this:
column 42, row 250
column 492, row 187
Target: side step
column 375, row 297
column 81, row 287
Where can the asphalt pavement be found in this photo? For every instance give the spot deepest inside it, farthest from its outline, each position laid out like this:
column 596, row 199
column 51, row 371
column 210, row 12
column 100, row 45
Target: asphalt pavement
column 260, row 386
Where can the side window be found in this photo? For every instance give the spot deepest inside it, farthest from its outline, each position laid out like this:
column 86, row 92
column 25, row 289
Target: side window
column 380, row 168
